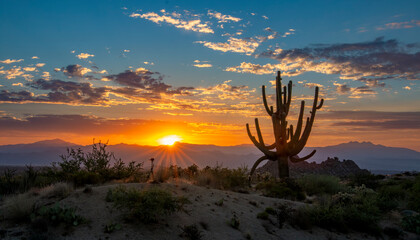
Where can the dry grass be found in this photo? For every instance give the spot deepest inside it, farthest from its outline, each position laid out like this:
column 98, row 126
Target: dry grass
column 59, row 190
column 18, row 208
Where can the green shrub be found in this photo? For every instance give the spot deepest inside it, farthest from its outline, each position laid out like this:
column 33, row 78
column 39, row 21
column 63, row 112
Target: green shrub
column 389, row 196
column 414, row 195
column 411, row 223
column 321, row 184
column 223, row 178
column 360, row 213
column 191, row 232
column 286, row 188
column 61, row 214
column 147, row 205
column 367, row 179
column 234, row 222
column 111, row 227
column 262, row 215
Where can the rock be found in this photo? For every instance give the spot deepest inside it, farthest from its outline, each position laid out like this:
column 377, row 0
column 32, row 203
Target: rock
column 331, row 166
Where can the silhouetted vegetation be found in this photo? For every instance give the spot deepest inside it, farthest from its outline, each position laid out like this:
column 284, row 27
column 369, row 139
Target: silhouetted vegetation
column 147, row 206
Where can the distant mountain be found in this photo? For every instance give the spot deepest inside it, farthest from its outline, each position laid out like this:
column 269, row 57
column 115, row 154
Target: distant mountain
column 365, row 154
column 370, row 156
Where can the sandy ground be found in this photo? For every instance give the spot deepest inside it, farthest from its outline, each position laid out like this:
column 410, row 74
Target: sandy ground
column 202, row 210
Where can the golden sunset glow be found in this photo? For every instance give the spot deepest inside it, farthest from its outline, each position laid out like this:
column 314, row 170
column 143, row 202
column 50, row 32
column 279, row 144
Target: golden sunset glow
column 169, row 140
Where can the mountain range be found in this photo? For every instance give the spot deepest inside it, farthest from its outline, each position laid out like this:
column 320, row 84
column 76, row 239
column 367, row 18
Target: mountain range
column 365, row 154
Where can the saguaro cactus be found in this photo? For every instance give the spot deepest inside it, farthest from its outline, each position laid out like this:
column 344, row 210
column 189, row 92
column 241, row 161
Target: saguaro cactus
column 288, row 143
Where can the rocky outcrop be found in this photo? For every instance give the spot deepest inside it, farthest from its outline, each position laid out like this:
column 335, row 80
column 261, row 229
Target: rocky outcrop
column 331, row 166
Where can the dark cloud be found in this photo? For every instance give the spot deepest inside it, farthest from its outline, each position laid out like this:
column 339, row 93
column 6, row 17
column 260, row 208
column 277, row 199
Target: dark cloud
column 75, row 70
column 372, row 120
column 59, row 92
column 378, row 60
column 343, row 88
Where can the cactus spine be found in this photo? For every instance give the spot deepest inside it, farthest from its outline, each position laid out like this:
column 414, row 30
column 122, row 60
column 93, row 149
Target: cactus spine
column 288, row 142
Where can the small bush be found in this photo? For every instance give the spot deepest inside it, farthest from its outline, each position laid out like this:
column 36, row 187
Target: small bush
column 147, row 205
column 360, row 213
column 19, row 208
column 234, row 222
column 411, row 223
column 191, row 232
column 111, row 227
column 321, row 184
column 389, row 197
column 286, row 188
column 367, row 179
column 262, row 215
column 223, row 178
column 61, row 214
column 59, row 190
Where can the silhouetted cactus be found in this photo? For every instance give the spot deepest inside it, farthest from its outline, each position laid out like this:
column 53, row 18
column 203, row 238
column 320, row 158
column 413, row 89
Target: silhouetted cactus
column 288, row 143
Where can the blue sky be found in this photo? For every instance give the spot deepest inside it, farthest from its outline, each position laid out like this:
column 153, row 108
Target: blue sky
column 202, row 64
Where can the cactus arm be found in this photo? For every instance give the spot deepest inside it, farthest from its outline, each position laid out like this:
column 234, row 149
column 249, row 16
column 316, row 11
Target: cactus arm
column 258, row 145
column 256, row 164
column 269, row 111
column 320, row 104
column 289, row 97
column 299, row 124
column 284, row 95
column 295, row 159
column 260, row 138
column 279, row 94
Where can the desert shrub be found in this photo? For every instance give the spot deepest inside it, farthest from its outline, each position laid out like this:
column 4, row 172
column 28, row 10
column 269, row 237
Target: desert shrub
column 286, row 188
column 361, row 213
column 8, row 182
column 191, row 232
column 414, row 195
column 94, row 167
column 390, row 196
column 411, row 223
column 234, row 222
column 320, row 184
column 58, row 190
column 83, row 177
column 223, row 178
column 147, row 205
column 262, row 215
column 111, row 227
column 61, row 214
column 18, row 208
column 365, row 178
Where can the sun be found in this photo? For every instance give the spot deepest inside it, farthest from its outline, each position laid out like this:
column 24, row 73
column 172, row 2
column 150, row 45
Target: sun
column 169, row 140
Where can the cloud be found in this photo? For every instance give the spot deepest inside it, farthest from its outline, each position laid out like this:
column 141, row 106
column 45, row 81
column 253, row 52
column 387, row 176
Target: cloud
column 365, row 61
column 222, row 18
column 373, row 120
column 407, row 88
column 203, row 65
column 29, row 69
column 126, row 51
column 176, row 20
column 40, row 65
column 75, row 70
column 149, row 63
column 226, row 91
column 141, row 78
column 9, row 61
column 400, row 25
column 84, row 55
column 245, row 45
column 35, row 57
column 255, row 68
column 265, row 17
column 14, row 73
column 17, row 84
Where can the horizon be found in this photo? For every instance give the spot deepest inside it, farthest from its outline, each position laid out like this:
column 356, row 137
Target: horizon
column 180, row 142
column 140, row 72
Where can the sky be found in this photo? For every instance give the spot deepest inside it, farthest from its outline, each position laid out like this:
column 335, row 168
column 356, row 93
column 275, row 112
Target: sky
column 137, row 71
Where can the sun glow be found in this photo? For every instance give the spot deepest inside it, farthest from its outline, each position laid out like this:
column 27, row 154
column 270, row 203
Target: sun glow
column 169, row 140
